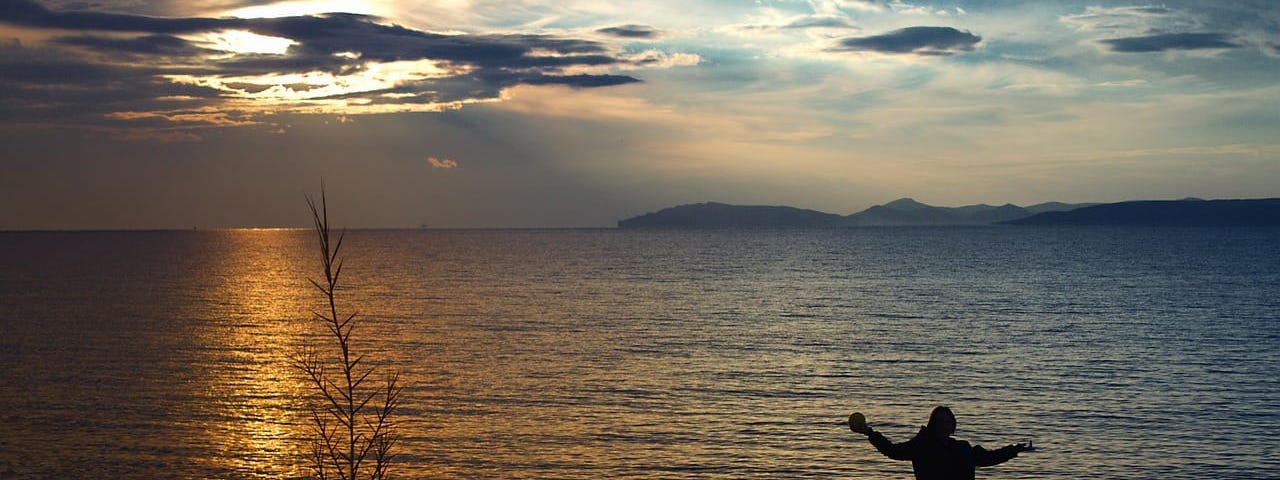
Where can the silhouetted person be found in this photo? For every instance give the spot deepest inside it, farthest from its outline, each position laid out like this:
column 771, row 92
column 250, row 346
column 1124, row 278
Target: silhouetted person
column 934, row 455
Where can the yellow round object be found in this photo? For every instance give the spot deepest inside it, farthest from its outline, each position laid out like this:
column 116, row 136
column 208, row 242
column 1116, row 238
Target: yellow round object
column 857, row 420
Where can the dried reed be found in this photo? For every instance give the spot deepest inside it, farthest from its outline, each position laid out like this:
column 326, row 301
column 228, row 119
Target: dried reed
column 353, row 435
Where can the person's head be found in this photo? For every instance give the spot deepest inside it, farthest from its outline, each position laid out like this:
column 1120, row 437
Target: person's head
column 942, row 423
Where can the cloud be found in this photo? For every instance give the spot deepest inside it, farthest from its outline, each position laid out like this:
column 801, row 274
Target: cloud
column 55, row 86
column 930, row 41
column 1171, row 41
column 1183, row 26
column 631, row 31
column 32, row 14
column 1131, row 83
column 580, row 81
column 1132, row 20
column 799, row 23
column 146, row 45
column 89, row 65
column 821, row 21
column 660, row 59
column 863, row 5
column 441, row 163
column 895, row 6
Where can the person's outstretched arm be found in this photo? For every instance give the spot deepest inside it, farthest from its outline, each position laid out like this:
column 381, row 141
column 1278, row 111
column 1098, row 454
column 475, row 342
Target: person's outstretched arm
column 896, row 451
column 986, row 458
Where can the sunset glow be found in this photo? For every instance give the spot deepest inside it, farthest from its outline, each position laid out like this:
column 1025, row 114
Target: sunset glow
column 240, row 42
column 581, row 113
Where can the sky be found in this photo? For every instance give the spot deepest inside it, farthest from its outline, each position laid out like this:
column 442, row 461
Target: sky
column 154, row 114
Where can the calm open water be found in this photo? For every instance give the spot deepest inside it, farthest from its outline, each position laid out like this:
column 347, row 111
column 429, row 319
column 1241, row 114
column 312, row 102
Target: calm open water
column 576, row 354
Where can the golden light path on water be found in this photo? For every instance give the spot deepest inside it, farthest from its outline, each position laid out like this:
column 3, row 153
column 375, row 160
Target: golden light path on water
column 257, row 420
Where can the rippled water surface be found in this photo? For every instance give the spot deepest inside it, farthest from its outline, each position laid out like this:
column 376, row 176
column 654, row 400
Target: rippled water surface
column 577, row 354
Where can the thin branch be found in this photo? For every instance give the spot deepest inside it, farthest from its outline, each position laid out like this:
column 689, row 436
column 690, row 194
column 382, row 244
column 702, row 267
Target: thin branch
column 353, row 432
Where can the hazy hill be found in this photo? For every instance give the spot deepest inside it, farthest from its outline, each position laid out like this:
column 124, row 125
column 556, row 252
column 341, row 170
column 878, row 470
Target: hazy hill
column 906, row 211
column 1188, row 212
column 1057, row 207
column 719, row 215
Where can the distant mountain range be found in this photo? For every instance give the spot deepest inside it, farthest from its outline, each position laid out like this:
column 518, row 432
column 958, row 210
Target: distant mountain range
column 1190, row 212
column 908, row 212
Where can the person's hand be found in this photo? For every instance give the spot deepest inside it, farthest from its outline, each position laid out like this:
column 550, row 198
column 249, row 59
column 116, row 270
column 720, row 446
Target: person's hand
column 1025, row 447
column 858, row 424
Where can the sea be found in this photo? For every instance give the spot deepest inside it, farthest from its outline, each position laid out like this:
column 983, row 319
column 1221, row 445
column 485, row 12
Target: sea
column 650, row 354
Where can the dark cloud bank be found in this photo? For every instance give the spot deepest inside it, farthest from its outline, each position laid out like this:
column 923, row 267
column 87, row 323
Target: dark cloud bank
column 79, row 77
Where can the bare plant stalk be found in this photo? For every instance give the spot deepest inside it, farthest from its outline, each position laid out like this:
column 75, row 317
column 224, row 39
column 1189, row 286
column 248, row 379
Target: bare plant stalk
column 353, row 436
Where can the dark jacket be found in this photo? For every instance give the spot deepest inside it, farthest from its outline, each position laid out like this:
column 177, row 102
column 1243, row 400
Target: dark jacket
column 934, row 459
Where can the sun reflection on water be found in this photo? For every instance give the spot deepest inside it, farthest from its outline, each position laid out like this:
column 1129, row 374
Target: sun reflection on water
column 256, row 396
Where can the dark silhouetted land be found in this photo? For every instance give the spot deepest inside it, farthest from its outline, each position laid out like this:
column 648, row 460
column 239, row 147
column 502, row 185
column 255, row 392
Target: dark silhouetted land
column 908, row 212
column 719, row 215
column 902, row 212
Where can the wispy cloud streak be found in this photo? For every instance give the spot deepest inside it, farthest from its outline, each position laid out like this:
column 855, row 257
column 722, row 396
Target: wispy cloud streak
column 1171, row 41
column 929, row 41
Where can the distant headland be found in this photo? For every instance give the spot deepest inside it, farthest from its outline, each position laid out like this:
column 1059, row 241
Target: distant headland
column 908, row 212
